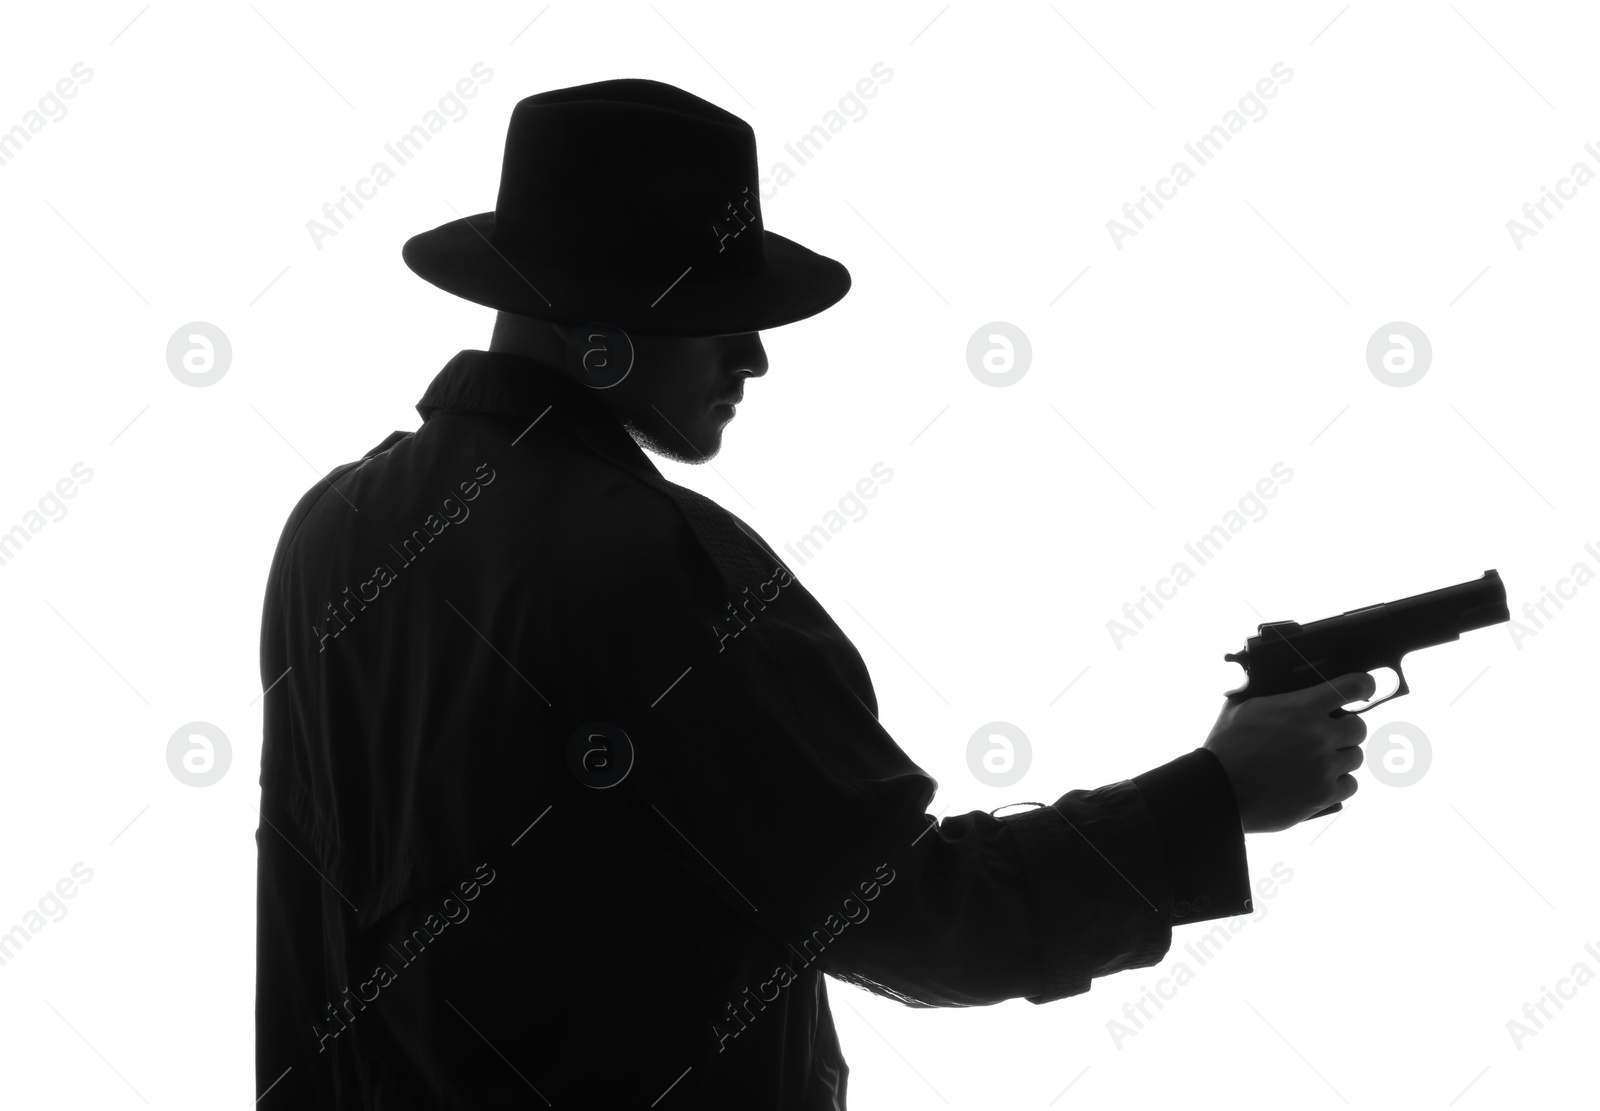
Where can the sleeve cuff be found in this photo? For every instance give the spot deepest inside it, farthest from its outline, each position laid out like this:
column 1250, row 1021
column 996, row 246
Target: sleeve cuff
column 1197, row 818
column 1095, row 862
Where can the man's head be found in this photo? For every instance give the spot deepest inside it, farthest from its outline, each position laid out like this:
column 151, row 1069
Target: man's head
column 673, row 400
column 639, row 202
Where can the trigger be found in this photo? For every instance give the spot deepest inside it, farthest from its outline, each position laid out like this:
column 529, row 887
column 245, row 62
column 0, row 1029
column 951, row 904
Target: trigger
column 1379, row 702
column 1400, row 688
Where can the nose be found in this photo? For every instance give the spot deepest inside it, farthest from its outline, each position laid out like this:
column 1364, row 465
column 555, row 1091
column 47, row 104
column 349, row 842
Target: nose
column 745, row 355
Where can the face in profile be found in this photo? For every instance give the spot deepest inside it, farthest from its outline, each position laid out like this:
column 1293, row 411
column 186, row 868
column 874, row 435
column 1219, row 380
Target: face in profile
column 680, row 392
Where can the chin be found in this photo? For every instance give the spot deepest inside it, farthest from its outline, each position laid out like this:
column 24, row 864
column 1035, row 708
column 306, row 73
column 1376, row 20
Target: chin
column 702, row 448
column 706, row 453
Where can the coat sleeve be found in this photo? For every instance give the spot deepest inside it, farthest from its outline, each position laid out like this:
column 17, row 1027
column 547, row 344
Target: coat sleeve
column 755, row 739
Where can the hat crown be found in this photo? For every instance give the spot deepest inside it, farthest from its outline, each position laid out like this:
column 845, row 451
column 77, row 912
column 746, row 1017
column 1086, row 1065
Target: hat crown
column 632, row 172
column 634, row 203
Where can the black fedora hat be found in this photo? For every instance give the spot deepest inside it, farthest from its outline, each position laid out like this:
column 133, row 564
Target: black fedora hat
column 634, row 203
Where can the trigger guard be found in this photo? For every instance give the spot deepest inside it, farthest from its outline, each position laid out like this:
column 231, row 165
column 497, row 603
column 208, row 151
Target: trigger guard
column 1400, row 688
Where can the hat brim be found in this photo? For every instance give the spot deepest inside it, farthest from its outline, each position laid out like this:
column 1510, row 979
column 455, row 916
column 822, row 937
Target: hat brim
column 794, row 283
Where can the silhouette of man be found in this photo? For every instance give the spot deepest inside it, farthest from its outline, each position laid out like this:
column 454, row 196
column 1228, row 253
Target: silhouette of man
column 571, row 792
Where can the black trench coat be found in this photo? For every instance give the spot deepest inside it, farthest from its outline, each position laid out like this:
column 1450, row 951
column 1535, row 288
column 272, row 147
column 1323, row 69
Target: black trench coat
column 571, row 793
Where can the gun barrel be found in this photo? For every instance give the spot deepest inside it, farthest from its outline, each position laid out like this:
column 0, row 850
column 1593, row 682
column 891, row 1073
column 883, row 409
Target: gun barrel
column 1435, row 616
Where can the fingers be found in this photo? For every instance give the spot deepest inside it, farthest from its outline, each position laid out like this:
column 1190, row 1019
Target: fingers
column 1347, row 731
column 1357, row 686
column 1344, row 787
column 1348, row 760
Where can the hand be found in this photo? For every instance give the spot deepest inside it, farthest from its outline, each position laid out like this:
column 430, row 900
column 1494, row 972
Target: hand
column 1286, row 757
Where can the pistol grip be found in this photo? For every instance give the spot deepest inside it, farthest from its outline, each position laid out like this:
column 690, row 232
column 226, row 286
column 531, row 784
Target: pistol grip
column 1400, row 687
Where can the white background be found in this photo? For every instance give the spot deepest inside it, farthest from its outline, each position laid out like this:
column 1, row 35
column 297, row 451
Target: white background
column 1229, row 334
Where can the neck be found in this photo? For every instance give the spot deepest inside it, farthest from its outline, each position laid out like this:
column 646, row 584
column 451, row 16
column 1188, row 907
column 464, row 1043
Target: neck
column 538, row 340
